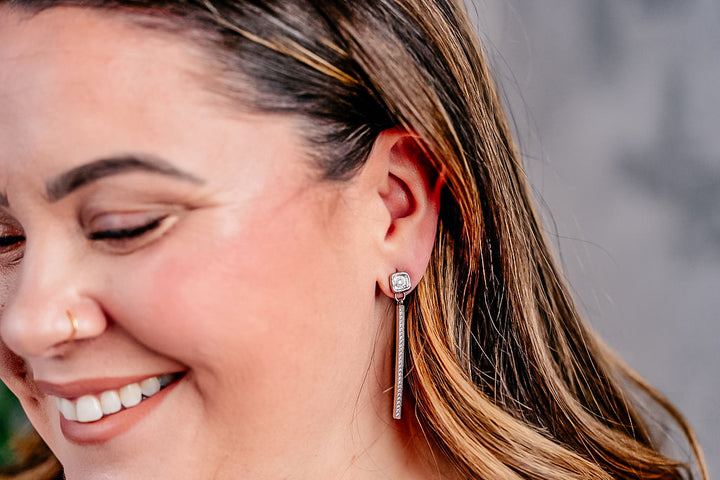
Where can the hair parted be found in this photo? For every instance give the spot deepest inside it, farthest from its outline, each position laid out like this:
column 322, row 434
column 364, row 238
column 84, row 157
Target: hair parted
column 507, row 381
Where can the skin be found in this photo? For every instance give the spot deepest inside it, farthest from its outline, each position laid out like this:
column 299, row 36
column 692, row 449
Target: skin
column 267, row 286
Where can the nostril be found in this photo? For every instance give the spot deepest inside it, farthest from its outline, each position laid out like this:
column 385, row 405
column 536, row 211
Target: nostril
column 34, row 335
column 51, row 328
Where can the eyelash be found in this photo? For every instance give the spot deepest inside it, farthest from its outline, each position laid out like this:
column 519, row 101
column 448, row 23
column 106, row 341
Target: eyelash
column 11, row 245
column 127, row 233
column 10, row 240
column 117, row 240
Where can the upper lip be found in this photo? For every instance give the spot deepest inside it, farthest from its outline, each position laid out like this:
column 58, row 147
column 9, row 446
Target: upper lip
column 90, row 386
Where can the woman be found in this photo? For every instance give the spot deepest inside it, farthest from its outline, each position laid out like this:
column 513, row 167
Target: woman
column 214, row 215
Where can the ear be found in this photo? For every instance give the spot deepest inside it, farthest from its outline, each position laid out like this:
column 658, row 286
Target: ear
column 410, row 189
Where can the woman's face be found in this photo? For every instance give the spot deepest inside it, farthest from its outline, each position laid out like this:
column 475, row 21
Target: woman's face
column 187, row 239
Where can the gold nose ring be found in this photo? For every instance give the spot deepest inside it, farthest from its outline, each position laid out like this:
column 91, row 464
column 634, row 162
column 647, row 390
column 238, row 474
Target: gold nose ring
column 74, row 324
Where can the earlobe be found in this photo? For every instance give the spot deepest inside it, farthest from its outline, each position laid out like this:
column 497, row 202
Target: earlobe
column 411, row 194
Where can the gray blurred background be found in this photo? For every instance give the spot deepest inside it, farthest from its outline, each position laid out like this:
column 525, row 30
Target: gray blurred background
column 617, row 109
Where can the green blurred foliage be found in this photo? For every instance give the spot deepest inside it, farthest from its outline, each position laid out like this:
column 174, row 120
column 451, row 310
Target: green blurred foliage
column 11, row 419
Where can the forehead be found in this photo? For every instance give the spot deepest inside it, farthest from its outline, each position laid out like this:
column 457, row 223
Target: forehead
column 71, row 42
column 66, row 73
column 68, row 50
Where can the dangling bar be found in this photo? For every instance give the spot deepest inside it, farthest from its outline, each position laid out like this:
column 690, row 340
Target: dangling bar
column 399, row 356
column 400, row 284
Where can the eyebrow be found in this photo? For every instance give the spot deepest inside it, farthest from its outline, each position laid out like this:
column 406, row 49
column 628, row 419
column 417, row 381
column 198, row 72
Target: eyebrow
column 66, row 183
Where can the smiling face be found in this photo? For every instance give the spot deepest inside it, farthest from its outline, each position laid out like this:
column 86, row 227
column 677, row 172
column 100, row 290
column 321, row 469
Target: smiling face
column 187, row 240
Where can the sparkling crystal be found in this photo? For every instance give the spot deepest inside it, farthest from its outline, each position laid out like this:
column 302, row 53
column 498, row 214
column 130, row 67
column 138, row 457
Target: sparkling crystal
column 400, row 282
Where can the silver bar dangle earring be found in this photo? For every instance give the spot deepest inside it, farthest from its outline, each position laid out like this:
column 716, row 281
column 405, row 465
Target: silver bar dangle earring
column 400, row 284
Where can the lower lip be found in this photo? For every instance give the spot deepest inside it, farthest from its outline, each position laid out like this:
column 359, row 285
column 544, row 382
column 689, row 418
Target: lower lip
column 113, row 425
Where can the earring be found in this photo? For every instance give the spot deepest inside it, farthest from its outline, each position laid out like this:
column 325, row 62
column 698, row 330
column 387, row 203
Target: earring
column 400, row 284
column 73, row 325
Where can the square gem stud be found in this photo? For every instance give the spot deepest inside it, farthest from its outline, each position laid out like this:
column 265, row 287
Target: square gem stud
column 400, row 282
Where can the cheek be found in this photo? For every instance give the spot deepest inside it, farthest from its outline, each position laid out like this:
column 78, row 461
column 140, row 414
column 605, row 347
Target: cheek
column 248, row 298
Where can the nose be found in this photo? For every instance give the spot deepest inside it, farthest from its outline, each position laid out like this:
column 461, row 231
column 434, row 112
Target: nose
column 47, row 307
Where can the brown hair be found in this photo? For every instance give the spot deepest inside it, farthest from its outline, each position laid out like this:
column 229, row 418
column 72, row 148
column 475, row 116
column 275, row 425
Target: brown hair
column 506, row 379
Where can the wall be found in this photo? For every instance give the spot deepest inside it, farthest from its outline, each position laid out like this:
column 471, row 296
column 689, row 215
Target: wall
column 617, row 107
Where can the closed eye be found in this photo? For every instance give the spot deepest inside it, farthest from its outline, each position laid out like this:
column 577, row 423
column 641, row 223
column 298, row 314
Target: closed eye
column 7, row 241
column 127, row 233
column 12, row 244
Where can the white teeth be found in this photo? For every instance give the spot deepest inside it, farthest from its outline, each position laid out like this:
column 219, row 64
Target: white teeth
column 150, row 386
column 110, row 402
column 130, row 395
column 91, row 408
column 88, row 409
column 68, row 409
